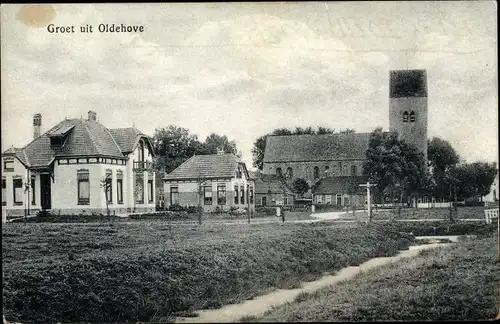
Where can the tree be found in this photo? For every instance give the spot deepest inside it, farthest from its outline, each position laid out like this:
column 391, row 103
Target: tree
column 200, row 190
column 442, row 159
column 105, row 185
column 300, row 186
column 474, row 180
column 173, row 146
column 214, row 142
column 395, row 166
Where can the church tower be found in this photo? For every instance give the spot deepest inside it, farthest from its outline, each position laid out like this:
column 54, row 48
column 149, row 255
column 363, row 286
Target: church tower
column 408, row 106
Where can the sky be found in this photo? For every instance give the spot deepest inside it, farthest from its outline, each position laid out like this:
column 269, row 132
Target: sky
column 244, row 69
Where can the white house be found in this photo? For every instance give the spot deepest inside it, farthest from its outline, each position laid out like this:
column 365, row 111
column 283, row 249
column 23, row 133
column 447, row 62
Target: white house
column 493, row 195
column 78, row 167
column 216, row 181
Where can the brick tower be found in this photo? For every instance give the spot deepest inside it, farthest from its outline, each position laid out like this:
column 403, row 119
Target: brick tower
column 408, row 106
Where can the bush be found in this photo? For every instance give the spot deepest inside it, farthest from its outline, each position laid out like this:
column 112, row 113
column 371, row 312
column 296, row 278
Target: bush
column 134, row 278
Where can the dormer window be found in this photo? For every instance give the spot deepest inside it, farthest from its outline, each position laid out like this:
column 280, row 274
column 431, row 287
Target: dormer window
column 58, row 136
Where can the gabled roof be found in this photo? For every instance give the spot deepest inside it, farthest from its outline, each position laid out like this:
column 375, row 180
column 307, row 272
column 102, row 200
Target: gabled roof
column 127, row 138
column 82, row 137
column 271, row 184
column 207, row 167
column 17, row 152
column 339, row 185
column 324, row 147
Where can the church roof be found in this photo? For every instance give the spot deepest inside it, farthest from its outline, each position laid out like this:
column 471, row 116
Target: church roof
column 324, row 147
column 82, row 138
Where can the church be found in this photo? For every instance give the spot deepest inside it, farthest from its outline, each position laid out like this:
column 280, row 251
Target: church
column 332, row 164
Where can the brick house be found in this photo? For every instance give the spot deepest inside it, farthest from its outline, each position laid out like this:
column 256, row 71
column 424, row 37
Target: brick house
column 217, row 181
column 65, row 170
column 340, row 191
column 271, row 190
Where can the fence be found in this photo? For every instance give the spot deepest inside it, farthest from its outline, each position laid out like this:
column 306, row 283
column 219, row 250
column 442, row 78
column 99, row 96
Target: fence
column 489, row 214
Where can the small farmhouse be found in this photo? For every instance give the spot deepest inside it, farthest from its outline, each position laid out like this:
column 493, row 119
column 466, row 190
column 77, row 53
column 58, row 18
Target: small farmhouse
column 272, row 190
column 340, row 191
column 79, row 167
column 216, row 182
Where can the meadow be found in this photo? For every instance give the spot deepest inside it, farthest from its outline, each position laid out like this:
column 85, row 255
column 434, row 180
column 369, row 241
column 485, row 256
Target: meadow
column 152, row 271
column 476, row 212
column 459, row 283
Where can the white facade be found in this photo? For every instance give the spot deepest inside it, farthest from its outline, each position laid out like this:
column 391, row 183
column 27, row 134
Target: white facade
column 64, row 185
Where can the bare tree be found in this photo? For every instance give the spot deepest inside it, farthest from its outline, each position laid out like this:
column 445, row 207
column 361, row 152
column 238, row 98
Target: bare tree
column 105, row 185
column 200, row 183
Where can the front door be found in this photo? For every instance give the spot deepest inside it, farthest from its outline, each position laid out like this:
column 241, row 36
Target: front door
column 45, row 191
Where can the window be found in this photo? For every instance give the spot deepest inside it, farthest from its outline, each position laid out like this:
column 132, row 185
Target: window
column 83, row 187
column 412, row 116
column 285, row 201
column 339, row 200
column 56, row 141
column 340, row 168
column 119, row 186
column 316, row 172
column 207, row 197
column 150, row 190
column 354, row 170
column 4, row 192
column 174, row 195
column 139, row 189
column 33, row 191
column 405, row 117
column 221, row 194
column 327, row 169
column 251, row 195
column 278, row 172
column 242, row 195
column 236, row 194
column 344, row 171
column 239, row 173
column 109, row 186
column 328, row 199
column 8, row 165
column 263, row 201
column 319, row 199
column 18, row 191
column 141, row 151
column 289, row 172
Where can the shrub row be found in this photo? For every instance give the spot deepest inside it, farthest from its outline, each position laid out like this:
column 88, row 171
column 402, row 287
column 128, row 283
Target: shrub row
column 149, row 281
column 444, row 228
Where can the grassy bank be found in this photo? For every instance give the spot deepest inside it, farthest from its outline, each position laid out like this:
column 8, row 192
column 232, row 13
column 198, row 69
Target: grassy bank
column 443, row 228
column 150, row 271
column 421, row 213
column 457, row 283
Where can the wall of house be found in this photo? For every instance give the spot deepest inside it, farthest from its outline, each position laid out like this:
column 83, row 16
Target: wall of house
column 331, row 199
column 188, row 193
column 147, row 206
column 9, row 208
column 305, row 170
column 272, row 199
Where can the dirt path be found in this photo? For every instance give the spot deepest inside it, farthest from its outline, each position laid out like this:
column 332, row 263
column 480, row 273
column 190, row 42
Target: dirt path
column 258, row 305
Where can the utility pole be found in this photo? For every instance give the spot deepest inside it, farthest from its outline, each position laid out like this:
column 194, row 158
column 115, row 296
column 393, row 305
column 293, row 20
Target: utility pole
column 368, row 198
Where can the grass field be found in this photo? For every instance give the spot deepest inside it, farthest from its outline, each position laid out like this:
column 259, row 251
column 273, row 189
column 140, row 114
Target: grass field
column 421, row 213
column 150, row 271
column 461, row 282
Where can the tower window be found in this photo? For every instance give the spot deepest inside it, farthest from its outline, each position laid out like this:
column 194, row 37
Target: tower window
column 316, row 172
column 405, row 117
column 412, row 116
column 289, row 172
column 278, row 172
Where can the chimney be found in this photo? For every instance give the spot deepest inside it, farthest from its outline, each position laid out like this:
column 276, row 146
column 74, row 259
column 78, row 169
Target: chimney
column 92, row 115
column 37, row 125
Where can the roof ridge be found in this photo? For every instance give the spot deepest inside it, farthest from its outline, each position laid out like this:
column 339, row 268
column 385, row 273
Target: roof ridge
column 181, row 165
column 26, row 156
column 92, row 138
column 113, row 138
